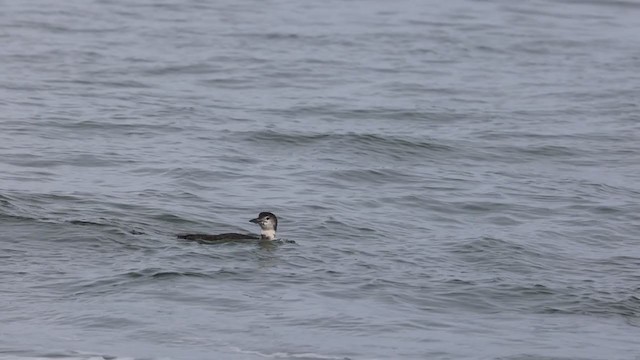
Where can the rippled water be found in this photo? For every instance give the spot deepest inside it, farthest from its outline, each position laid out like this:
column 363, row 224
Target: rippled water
column 461, row 179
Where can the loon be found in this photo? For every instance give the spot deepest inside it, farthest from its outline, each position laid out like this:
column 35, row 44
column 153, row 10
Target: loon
column 268, row 226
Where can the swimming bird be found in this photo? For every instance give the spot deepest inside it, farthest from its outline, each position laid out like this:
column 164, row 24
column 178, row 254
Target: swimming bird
column 267, row 221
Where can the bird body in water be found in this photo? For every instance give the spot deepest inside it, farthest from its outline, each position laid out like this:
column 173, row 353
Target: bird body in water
column 267, row 221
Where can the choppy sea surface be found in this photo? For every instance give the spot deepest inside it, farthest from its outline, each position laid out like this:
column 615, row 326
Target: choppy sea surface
column 461, row 179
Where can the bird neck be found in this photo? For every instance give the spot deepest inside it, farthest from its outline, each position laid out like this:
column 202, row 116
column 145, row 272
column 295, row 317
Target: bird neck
column 267, row 234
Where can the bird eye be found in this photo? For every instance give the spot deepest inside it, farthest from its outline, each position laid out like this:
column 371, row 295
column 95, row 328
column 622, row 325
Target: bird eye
column 267, row 218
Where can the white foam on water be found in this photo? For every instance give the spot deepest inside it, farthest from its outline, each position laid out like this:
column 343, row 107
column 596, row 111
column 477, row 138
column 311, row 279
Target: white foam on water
column 287, row 355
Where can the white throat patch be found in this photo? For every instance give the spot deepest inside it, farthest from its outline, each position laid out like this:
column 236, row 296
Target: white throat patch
column 268, row 234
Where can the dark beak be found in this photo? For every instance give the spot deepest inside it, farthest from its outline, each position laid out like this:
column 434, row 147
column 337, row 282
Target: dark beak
column 255, row 221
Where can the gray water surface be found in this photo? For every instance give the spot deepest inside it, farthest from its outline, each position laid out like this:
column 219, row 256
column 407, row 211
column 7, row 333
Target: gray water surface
column 461, row 179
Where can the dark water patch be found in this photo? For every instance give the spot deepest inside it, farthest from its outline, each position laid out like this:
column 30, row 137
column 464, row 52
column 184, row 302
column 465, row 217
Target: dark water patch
column 96, row 83
column 338, row 112
column 366, row 142
column 131, row 281
column 111, row 126
column 5, row 201
column 550, row 151
column 87, row 223
column 488, row 245
column 100, row 322
column 494, row 209
column 192, row 69
column 155, row 274
column 497, row 255
column 537, row 357
column 178, row 172
column 171, row 218
column 621, row 210
column 37, row 163
column 234, row 83
column 373, row 177
column 58, row 28
column 515, row 154
column 596, row 305
column 615, row 4
column 506, row 295
column 627, row 262
column 110, row 225
column 67, row 355
column 270, row 36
